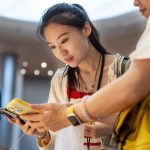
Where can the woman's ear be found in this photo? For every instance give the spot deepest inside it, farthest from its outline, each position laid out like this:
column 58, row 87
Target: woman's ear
column 86, row 30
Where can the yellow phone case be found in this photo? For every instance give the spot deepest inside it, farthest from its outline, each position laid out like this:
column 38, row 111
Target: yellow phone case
column 20, row 107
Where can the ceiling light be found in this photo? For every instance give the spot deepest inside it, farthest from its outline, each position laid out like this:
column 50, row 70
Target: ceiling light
column 50, row 72
column 23, row 71
column 36, row 72
column 43, row 64
column 25, row 64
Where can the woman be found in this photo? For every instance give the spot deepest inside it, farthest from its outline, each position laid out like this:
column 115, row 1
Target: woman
column 73, row 39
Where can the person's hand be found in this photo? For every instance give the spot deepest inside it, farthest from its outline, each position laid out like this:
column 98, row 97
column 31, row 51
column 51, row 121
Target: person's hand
column 53, row 117
column 23, row 126
column 96, row 130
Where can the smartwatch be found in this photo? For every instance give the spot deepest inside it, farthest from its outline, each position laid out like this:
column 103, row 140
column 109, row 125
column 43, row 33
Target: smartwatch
column 75, row 121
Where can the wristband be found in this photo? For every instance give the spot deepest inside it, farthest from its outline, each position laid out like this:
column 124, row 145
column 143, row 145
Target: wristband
column 85, row 112
column 74, row 120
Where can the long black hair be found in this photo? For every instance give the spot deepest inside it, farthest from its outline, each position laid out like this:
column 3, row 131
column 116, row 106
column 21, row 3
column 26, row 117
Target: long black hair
column 72, row 15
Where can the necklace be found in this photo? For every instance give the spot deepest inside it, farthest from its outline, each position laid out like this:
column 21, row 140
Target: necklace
column 94, row 82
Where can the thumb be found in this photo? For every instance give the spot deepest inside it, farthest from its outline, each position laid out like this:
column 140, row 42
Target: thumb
column 41, row 107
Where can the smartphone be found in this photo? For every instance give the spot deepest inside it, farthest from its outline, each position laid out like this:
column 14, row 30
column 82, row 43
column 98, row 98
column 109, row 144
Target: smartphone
column 8, row 114
column 17, row 107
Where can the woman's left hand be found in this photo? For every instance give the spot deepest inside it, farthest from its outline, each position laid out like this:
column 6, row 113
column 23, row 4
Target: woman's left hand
column 53, row 117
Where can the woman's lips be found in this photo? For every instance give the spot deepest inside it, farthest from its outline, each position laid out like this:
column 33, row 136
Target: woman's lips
column 69, row 59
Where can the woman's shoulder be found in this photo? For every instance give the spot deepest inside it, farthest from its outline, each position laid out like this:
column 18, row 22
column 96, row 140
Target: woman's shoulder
column 116, row 58
column 60, row 74
column 61, row 71
column 111, row 59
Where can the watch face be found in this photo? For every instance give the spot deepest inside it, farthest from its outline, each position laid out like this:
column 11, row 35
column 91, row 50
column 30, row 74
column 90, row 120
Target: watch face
column 74, row 120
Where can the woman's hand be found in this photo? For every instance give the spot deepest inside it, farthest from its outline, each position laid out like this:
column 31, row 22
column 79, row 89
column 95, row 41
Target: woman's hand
column 23, row 126
column 26, row 128
column 53, row 117
column 97, row 129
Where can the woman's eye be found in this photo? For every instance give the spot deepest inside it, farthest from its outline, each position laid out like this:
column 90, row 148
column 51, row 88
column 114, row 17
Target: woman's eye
column 52, row 47
column 63, row 41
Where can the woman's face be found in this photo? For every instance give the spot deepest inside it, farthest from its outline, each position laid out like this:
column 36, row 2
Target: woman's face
column 144, row 7
column 68, row 44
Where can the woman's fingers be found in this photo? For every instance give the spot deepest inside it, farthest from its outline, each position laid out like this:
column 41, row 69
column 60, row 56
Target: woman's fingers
column 40, row 106
column 11, row 120
column 25, row 127
column 35, row 124
column 30, row 117
column 31, row 131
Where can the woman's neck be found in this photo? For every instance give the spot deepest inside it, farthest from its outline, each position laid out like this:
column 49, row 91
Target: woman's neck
column 89, row 63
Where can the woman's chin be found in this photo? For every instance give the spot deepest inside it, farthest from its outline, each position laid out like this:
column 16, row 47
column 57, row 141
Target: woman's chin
column 73, row 65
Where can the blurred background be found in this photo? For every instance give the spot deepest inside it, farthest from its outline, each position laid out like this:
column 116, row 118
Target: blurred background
column 27, row 65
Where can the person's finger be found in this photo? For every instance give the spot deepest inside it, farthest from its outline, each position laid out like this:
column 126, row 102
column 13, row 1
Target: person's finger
column 31, row 131
column 31, row 117
column 19, row 122
column 11, row 120
column 25, row 128
column 41, row 107
column 35, row 124
column 39, row 131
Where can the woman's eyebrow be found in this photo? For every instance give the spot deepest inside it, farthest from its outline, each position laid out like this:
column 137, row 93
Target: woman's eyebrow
column 62, row 35
column 59, row 37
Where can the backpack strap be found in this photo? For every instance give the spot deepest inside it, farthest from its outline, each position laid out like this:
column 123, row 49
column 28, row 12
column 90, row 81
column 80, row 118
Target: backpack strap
column 122, row 65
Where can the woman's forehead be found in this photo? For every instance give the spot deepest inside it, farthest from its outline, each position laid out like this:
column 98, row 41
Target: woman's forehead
column 57, row 29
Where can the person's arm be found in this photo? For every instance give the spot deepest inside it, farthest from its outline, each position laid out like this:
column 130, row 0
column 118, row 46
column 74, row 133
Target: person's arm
column 125, row 91
column 121, row 93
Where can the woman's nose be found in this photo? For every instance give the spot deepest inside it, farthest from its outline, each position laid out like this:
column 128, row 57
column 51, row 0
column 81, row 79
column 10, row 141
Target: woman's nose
column 63, row 51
